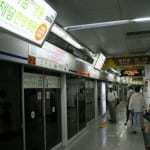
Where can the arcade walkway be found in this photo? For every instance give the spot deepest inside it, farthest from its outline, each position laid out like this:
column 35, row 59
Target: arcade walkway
column 115, row 137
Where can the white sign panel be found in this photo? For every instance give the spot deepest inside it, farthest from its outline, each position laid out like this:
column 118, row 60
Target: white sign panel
column 52, row 82
column 30, row 19
column 50, row 56
column 32, row 81
column 100, row 61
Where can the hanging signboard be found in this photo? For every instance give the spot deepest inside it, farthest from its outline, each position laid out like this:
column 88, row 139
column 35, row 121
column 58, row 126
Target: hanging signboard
column 30, row 19
column 136, row 61
column 133, row 72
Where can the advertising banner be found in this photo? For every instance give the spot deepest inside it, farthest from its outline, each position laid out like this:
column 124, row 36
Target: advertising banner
column 29, row 19
column 132, row 72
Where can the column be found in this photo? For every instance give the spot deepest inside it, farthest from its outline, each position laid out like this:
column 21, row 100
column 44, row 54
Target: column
column 96, row 99
column 23, row 109
column 64, row 110
column 103, row 99
column 146, row 91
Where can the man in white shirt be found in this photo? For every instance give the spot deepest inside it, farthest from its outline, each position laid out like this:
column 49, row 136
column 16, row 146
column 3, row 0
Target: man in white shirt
column 136, row 105
column 112, row 105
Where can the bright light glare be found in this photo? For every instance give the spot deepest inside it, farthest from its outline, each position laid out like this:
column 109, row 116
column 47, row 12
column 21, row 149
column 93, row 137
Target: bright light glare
column 65, row 36
column 142, row 19
column 100, row 61
column 58, row 31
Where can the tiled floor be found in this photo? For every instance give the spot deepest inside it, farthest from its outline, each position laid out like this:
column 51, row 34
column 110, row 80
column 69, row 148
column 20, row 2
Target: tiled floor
column 115, row 137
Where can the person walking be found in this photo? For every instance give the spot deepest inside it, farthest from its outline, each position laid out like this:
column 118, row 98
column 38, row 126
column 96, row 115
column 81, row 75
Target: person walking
column 128, row 111
column 112, row 105
column 136, row 105
column 116, row 96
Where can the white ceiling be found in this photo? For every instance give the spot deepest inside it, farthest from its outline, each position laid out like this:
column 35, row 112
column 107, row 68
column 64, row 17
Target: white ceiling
column 111, row 40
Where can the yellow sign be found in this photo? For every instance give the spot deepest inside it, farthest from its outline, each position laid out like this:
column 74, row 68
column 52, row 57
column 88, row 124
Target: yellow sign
column 110, row 63
column 136, row 61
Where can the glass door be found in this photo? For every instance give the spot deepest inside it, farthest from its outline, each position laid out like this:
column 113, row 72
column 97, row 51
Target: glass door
column 72, row 111
column 90, row 104
column 81, row 104
column 33, row 98
column 75, row 105
column 53, row 111
column 99, row 97
column 10, row 107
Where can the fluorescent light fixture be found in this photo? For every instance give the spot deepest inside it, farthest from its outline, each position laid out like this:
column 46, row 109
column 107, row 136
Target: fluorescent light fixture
column 60, row 32
column 145, row 19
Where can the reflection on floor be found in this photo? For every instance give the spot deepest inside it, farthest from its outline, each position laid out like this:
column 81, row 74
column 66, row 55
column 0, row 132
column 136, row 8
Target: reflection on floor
column 115, row 137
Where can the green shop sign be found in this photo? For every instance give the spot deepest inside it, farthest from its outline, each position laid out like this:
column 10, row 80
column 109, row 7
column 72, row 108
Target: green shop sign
column 30, row 19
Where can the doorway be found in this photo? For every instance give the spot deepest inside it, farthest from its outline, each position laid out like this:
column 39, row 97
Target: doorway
column 52, row 111
column 42, row 110
column 75, row 105
column 90, row 103
column 33, row 99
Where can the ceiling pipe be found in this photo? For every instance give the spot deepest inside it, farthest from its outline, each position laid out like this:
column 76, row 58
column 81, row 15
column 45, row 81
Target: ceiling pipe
column 106, row 24
column 96, row 25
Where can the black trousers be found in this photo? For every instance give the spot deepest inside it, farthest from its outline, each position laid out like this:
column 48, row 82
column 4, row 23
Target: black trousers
column 128, row 112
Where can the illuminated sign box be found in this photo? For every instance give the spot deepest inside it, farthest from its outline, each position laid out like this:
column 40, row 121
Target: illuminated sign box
column 100, row 62
column 133, row 72
column 30, row 19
